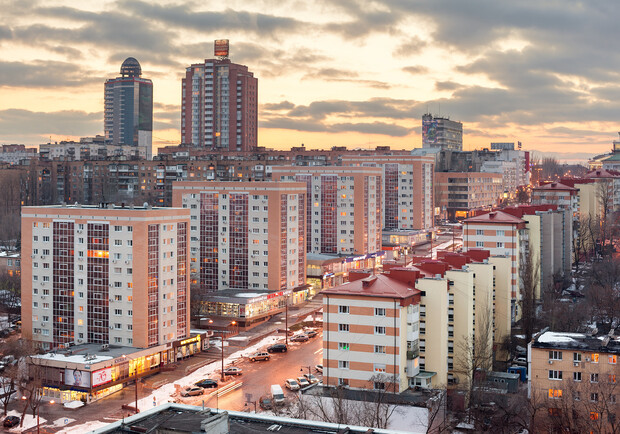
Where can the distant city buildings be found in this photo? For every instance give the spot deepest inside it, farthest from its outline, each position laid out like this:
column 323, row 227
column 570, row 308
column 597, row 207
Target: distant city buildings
column 440, row 132
column 343, row 207
column 219, row 107
column 246, row 235
column 129, row 108
column 460, row 192
column 105, row 275
column 15, row 154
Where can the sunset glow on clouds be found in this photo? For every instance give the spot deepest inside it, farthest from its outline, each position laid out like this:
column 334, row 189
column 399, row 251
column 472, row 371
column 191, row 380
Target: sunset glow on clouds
column 332, row 72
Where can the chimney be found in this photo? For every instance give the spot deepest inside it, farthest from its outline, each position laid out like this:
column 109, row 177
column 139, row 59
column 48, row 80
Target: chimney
column 368, row 281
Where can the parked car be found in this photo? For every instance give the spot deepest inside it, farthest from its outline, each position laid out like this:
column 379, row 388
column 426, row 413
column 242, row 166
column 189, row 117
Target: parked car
column 319, row 368
column 277, row 394
column 11, row 421
column 192, row 391
column 300, row 338
column 311, row 378
column 291, row 384
column 259, row 356
column 206, row 383
column 303, row 382
column 233, row 371
column 520, row 361
column 312, row 333
column 265, row 402
column 277, row 348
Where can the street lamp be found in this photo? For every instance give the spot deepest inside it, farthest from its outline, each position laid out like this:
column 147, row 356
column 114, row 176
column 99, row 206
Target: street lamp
column 222, row 344
column 38, row 418
column 136, row 380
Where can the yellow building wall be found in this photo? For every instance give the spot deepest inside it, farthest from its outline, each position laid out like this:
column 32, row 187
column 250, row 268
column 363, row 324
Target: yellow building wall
column 502, row 301
column 435, row 300
column 462, row 289
column 533, row 225
column 483, row 283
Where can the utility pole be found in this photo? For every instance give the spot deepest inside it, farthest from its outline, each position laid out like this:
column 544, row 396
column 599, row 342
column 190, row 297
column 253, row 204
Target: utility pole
column 286, row 320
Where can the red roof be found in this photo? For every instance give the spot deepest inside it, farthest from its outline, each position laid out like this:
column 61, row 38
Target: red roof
column 556, row 186
column 498, row 217
column 603, row 173
column 379, row 285
column 521, row 210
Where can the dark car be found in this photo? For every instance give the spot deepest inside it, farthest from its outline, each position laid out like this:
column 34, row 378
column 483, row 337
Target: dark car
column 265, row 403
column 207, row 383
column 11, row 421
column 277, row 348
column 300, row 338
column 312, row 333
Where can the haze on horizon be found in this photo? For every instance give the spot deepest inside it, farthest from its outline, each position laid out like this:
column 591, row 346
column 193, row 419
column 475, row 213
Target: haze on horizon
column 334, row 72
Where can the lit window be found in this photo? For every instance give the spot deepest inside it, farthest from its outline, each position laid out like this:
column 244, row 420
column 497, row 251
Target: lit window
column 555, row 393
column 595, row 358
column 613, row 359
column 343, row 346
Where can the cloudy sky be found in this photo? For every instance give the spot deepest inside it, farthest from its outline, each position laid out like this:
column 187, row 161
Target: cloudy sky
column 331, row 72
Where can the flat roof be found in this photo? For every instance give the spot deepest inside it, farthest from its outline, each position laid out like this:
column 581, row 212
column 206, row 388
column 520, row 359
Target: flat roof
column 577, row 341
column 89, row 353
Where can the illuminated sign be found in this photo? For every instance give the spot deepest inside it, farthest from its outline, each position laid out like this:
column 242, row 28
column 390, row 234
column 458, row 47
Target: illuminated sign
column 221, row 47
column 190, row 340
column 102, row 376
column 74, row 377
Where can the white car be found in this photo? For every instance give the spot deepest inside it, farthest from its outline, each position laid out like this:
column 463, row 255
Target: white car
column 311, row 378
column 319, row 368
column 302, row 382
column 291, row 384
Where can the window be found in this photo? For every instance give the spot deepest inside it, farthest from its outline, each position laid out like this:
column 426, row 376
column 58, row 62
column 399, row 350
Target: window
column 479, row 232
column 501, row 233
column 343, row 309
column 380, row 349
column 343, row 346
column 379, row 311
column 576, row 357
column 479, row 244
column 343, row 327
column 118, row 228
column 594, row 415
column 594, row 397
column 500, row 244
column 576, row 376
column 118, row 312
column 555, row 393
column 612, row 378
column 593, row 378
column 555, row 355
column 118, row 242
column 379, row 330
column 379, row 367
column 595, row 358
column 613, row 359
column 343, row 364
column 555, row 375
column 343, row 382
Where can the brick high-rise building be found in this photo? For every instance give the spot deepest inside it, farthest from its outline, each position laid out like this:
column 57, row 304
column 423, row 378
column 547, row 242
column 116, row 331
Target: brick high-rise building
column 219, row 108
column 246, row 235
column 407, row 192
column 343, row 207
column 104, row 275
column 129, row 108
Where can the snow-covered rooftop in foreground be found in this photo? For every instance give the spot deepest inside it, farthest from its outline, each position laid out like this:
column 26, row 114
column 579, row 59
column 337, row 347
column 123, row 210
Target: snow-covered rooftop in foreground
column 603, row 343
column 555, row 337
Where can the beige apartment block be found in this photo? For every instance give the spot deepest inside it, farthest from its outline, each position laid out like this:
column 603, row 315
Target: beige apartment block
column 408, row 189
column 105, row 275
column 370, row 337
column 460, row 192
column 245, row 235
column 344, row 213
column 574, row 377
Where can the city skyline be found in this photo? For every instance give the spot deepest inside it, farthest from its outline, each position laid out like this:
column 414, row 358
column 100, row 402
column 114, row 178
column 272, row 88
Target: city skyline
column 337, row 73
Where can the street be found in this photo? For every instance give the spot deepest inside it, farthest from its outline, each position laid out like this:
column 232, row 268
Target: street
column 259, row 376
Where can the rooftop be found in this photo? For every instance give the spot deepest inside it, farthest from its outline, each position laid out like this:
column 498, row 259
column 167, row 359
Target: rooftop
column 555, row 186
column 580, row 341
column 378, row 285
column 495, row 217
column 89, row 353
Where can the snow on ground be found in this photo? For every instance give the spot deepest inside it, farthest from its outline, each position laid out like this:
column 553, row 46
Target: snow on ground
column 29, row 421
column 166, row 393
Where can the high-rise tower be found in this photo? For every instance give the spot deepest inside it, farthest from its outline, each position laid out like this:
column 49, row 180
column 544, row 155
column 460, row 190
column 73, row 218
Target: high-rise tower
column 438, row 132
column 129, row 108
column 219, row 107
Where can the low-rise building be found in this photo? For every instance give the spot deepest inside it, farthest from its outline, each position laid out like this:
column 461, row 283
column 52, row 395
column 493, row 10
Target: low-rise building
column 370, row 338
column 574, row 377
column 10, row 263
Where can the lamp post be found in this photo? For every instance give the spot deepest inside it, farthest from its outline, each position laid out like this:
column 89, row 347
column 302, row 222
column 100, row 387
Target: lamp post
column 222, row 344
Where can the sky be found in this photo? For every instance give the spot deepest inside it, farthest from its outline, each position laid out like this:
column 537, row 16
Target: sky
column 349, row 73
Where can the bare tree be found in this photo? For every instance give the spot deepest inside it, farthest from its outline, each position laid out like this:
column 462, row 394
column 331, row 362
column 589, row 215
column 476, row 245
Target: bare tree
column 529, row 281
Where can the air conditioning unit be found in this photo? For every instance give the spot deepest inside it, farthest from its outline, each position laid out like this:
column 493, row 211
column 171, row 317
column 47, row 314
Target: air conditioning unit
column 126, row 262
column 587, row 359
column 79, row 231
column 42, row 256
column 114, row 261
column 43, row 324
column 551, row 362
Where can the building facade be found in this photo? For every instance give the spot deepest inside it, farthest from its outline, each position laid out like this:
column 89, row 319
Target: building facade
column 219, row 107
column 129, row 108
column 408, row 189
column 343, row 207
column 105, row 275
column 370, row 337
column 440, row 132
column 460, row 192
column 246, row 235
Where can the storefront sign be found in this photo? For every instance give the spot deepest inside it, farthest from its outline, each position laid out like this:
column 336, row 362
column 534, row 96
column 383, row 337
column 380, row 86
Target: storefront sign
column 102, row 376
column 190, row 340
column 73, row 377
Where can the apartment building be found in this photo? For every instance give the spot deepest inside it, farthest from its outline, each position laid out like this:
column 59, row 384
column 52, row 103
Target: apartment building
column 343, row 207
column 370, row 338
column 575, row 377
column 245, row 235
column 10, row 263
column 502, row 234
column 408, row 189
column 460, row 192
column 556, row 193
column 104, row 275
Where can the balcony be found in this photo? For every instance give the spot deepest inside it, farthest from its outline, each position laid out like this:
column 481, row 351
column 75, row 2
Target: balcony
column 413, row 354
